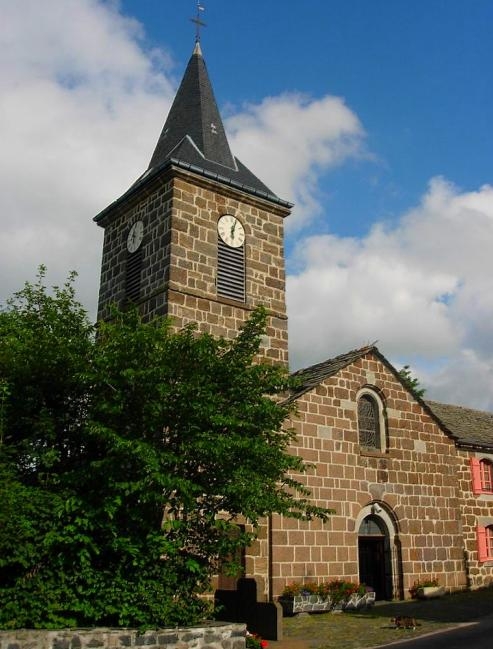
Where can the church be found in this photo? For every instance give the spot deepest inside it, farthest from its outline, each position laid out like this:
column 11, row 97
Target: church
column 199, row 238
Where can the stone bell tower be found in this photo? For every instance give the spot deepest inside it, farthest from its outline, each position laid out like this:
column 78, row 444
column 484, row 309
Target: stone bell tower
column 198, row 237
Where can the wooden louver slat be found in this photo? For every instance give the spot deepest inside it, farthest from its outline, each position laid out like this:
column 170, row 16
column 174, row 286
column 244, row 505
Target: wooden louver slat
column 230, row 271
column 132, row 280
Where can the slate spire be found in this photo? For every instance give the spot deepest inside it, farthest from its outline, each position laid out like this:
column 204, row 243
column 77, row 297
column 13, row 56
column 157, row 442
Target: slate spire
column 194, row 116
column 193, row 136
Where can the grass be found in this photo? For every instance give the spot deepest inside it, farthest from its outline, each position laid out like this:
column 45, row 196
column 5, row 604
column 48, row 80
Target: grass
column 359, row 630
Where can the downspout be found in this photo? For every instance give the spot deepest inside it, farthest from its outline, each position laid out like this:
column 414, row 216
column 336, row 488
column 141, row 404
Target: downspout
column 269, row 560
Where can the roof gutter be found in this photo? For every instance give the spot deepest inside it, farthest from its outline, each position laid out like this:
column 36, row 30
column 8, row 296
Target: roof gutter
column 150, row 174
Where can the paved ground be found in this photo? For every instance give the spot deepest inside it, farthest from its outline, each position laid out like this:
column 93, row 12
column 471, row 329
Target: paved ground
column 374, row 628
column 476, row 634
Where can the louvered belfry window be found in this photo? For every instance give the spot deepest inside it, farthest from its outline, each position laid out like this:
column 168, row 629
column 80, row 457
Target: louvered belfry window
column 368, row 422
column 132, row 279
column 230, row 271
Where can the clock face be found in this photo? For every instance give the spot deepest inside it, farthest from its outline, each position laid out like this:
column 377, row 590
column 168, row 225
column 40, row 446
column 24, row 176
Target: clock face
column 135, row 236
column 231, row 231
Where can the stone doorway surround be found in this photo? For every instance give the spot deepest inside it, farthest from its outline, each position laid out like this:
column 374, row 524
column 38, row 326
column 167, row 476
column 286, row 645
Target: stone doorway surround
column 386, row 545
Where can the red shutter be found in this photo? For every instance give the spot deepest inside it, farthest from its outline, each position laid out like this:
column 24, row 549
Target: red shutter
column 476, row 476
column 482, row 544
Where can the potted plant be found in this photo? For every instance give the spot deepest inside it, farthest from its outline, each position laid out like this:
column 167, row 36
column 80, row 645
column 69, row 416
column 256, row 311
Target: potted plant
column 340, row 592
column 302, row 597
column 311, row 597
column 427, row 588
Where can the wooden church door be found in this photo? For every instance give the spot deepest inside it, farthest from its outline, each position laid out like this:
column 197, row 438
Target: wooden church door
column 375, row 568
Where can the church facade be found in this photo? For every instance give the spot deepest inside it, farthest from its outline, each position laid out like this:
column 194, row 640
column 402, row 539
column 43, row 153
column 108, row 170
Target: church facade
column 199, row 238
column 410, row 490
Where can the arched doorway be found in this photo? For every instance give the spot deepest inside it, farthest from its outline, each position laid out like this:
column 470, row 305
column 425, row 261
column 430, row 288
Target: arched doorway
column 375, row 565
column 379, row 551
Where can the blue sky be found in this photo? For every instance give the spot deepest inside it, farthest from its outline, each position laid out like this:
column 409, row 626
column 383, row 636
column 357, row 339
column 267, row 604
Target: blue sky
column 372, row 116
column 417, row 74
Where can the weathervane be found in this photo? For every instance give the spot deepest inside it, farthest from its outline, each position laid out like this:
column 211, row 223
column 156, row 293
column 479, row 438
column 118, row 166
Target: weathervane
column 198, row 22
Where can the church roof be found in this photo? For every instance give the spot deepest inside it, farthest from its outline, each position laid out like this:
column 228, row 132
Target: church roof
column 194, row 132
column 310, row 377
column 468, row 426
column 193, row 138
column 194, row 113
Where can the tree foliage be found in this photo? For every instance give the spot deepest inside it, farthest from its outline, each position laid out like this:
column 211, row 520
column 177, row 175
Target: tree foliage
column 126, row 457
column 411, row 381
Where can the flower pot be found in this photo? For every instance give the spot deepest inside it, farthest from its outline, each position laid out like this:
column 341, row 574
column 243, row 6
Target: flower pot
column 304, row 604
column 430, row 592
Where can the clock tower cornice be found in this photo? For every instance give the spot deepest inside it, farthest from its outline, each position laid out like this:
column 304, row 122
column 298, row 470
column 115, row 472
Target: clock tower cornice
column 193, row 138
column 150, row 181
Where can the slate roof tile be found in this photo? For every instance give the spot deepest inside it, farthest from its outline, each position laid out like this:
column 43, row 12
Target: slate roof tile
column 194, row 132
column 310, row 377
column 469, row 427
column 193, row 138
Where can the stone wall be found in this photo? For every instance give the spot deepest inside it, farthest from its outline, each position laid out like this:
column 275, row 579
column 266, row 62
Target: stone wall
column 214, row 636
column 180, row 212
column 153, row 208
column 412, row 483
column 193, row 269
column 476, row 510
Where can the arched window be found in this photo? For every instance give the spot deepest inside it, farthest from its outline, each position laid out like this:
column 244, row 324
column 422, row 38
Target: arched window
column 369, row 422
column 372, row 526
column 375, row 556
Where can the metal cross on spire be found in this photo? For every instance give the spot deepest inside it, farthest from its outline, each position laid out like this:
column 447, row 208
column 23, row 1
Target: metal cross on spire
column 198, row 22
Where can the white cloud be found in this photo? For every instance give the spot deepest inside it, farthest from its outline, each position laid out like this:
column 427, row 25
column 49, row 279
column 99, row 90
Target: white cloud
column 290, row 140
column 466, row 378
column 84, row 106
column 421, row 288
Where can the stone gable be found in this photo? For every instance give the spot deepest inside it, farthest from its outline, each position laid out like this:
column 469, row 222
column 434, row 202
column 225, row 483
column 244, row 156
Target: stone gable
column 411, row 484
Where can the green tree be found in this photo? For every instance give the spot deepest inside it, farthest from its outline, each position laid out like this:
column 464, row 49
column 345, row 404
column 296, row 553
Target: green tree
column 121, row 455
column 46, row 344
column 411, row 381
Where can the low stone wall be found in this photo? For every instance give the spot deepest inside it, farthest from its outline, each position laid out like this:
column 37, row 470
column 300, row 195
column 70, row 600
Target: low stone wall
column 213, row 636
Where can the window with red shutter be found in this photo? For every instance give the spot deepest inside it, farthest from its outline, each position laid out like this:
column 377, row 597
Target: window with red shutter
column 489, row 541
column 485, row 542
column 482, row 543
column 486, row 475
column 476, row 476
